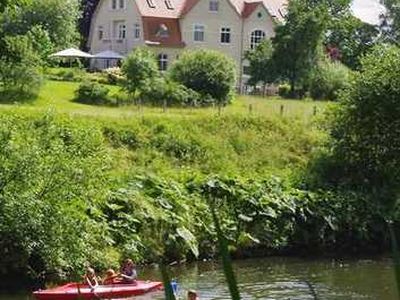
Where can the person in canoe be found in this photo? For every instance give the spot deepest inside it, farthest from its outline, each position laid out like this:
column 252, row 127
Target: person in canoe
column 90, row 278
column 128, row 272
column 110, row 278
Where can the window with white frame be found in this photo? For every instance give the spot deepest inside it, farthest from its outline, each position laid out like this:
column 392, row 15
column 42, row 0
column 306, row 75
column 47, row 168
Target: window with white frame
column 162, row 62
column 136, row 31
column 121, row 31
column 214, row 5
column 113, row 4
column 100, row 33
column 257, row 36
column 198, row 35
column 225, row 35
column 121, row 4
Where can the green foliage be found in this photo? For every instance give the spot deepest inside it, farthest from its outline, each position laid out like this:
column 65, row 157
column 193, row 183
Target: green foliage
column 92, row 93
column 261, row 67
column 207, row 72
column 328, row 80
column 284, row 91
column 52, row 178
column 365, row 130
column 20, row 79
column 352, row 38
column 140, row 69
column 163, row 91
column 297, row 41
column 57, row 18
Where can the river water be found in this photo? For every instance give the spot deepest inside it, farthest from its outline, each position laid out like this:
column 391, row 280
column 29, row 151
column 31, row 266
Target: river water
column 284, row 278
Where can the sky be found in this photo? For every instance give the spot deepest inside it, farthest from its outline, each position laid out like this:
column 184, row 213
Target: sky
column 368, row 10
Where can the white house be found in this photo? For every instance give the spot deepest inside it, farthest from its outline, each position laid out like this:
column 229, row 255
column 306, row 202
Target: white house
column 172, row 26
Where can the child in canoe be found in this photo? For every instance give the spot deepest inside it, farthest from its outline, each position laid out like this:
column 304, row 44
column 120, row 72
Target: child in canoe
column 111, row 277
column 90, row 278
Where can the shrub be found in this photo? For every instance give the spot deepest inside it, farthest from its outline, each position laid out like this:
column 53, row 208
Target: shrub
column 92, row 93
column 366, row 128
column 328, row 79
column 210, row 73
column 284, row 91
column 139, row 68
column 114, row 76
column 163, row 91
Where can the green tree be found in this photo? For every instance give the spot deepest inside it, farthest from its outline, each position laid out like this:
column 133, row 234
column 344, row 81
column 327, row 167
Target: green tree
column 140, row 69
column 210, row 73
column 298, row 40
column 58, row 18
column 366, row 128
column 390, row 25
column 352, row 38
column 261, row 68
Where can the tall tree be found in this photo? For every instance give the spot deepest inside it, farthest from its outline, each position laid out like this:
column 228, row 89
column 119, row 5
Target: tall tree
column 298, row 40
column 261, row 68
column 390, row 25
column 351, row 39
column 87, row 7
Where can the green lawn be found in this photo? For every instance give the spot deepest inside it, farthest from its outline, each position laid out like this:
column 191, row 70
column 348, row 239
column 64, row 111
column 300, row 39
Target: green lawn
column 59, row 96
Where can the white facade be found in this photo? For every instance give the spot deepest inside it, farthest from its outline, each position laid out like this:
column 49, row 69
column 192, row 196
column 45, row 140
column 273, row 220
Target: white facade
column 229, row 26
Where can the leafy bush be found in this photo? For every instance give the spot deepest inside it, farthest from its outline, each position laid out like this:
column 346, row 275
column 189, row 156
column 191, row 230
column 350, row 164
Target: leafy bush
column 92, row 93
column 140, row 69
column 67, row 74
column 20, row 78
column 366, row 124
column 163, row 91
column 52, row 180
column 328, row 80
column 114, row 76
column 284, row 91
column 210, row 73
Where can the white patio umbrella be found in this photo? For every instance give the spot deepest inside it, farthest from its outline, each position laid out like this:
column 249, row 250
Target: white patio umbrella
column 108, row 54
column 72, row 53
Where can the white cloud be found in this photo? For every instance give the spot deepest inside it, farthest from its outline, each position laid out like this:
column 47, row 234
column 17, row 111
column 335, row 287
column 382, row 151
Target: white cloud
column 368, row 10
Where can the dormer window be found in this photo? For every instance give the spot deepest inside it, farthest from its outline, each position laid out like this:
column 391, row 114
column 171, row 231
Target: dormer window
column 213, row 5
column 117, row 4
column 162, row 31
column 168, row 4
column 151, row 4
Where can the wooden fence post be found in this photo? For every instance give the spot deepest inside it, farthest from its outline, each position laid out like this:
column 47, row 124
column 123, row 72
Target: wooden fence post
column 282, row 109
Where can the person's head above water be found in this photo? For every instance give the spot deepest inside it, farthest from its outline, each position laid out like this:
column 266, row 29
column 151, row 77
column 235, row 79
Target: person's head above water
column 192, row 295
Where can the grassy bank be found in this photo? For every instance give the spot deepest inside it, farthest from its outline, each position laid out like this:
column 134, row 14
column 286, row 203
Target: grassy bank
column 59, row 95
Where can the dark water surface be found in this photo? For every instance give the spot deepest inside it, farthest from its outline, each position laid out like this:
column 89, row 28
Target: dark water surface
column 284, row 278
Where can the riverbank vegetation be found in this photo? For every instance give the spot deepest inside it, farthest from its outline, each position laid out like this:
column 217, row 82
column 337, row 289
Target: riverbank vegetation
column 86, row 178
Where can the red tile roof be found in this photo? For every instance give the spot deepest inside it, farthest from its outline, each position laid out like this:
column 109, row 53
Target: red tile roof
column 178, row 8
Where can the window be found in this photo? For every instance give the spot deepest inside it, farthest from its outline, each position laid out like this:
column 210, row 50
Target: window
column 162, row 31
column 151, row 4
column 162, row 62
column 168, row 4
column 122, row 31
column 198, row 33
column 100, row 33
column 225, row 35
column 256, row 38
column 214, row 5
column 136, row 31
column 114, row 4
column 121, row 4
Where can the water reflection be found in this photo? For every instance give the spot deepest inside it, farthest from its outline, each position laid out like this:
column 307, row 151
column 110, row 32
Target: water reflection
column 284, row 278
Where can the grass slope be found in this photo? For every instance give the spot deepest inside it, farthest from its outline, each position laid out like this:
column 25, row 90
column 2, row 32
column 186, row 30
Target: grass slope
column 188, row 142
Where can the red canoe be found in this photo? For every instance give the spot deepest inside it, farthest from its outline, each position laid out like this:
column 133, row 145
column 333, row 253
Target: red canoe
column 74, row 291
